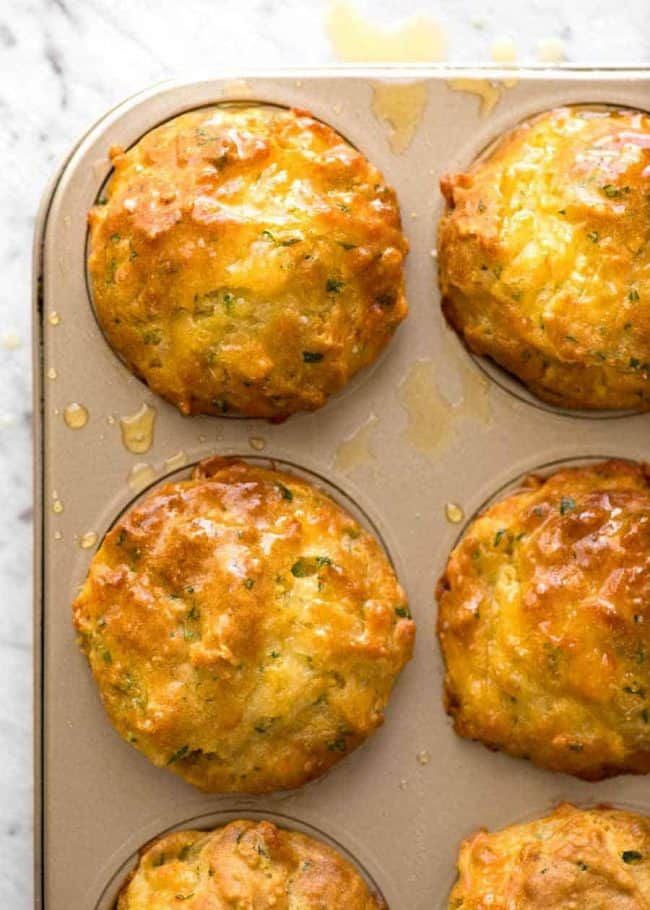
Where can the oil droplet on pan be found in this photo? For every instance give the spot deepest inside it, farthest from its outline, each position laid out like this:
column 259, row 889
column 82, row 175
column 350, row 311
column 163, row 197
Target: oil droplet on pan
column 355, row 450
column 454, row 513
column 401, row 106
column 57, row 506
column 418, row 40
column 75, row 415
column 53, row 318
column 429, row 414
column 137, row 430
column 88, row 540
column 423, row 757
column 174, row 462
column 257, row 442
column 58, row 535
column 52, row 373
column 141, row 476
column 488, row 92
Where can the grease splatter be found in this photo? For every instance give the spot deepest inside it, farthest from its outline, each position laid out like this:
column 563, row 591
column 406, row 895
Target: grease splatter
column 137, row 430
column 355, row 449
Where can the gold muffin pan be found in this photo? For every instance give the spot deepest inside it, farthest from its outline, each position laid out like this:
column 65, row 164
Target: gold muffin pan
column 423, row 428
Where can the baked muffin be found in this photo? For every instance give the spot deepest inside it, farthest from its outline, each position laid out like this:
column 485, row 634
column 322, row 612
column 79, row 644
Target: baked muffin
column 544, row 256
column 544, row 622
column 573, row 859
column 243, row 629
column 245, row 864
column 246, row 259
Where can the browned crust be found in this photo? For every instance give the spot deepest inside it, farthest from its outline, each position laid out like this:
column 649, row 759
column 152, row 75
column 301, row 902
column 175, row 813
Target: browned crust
column 543, row 260
column 544, row 623
column 243, row 629
column 246, row 260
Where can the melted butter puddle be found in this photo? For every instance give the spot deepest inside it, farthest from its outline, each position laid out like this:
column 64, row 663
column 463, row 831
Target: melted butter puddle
column 75, row 415
column 489, row 92
column 430, row 415
column 140, row 476
column 355, row 450
column 137, row 430
column 400, row 106
column 88, row 540
column 418, row 40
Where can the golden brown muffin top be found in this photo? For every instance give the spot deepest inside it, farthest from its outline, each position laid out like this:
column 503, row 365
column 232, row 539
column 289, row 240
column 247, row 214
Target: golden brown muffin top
column 244, row 866
column 544, row 622
column 244, row 630
column 246, row 259
column 573, row 859
column 544, row 256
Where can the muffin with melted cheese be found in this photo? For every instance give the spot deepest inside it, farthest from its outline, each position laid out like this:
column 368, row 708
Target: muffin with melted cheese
column 243, row 629
column 244, row 864
column 544, row 622
column 572, row 859
column 246, row 259
column 544, row 256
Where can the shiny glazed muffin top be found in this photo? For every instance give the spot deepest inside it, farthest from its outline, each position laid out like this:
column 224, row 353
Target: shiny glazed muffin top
column 246, row 259
column 573, row 859
column 544, row 622
column 545, row 256
column 242, row 866
column 243, row 629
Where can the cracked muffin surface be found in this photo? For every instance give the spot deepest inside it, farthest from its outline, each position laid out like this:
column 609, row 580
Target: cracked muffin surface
column 572, row 859
column 544, row 256
column 544, row 622
column 243, row 629
column 245, row 864
column 246, row 259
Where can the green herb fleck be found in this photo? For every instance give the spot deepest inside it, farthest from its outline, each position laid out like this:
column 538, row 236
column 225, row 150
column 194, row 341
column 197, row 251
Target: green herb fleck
column 631, row 856
column 499, row 536
column 594, row 236
column 178, row 755
column 312, row 356
column 249, row 583
column 337, row 745
column 611, row 191
column 634, row 296
column 404, row 612
column 286, row 492
column 567, row 505
column 333, row 285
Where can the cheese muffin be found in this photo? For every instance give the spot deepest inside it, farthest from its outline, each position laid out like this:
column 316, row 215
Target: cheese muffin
column 544, row 256
column 243, row 629
column 544, row 622
column 246, row 259
column 572, row 859
column 245, row 864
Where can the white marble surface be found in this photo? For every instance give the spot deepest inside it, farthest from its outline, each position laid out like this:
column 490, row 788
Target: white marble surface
column 62, row 64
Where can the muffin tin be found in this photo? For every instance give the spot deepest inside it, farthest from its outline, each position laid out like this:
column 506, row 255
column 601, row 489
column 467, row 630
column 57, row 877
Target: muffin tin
column 425, row 427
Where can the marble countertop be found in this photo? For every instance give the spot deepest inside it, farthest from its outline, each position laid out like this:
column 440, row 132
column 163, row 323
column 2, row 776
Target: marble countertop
column 63, row 63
